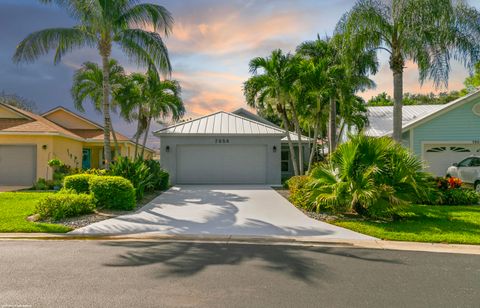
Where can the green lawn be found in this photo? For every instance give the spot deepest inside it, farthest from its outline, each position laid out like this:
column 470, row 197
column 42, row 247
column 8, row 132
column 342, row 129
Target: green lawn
column 420, row 223
column 15, row 207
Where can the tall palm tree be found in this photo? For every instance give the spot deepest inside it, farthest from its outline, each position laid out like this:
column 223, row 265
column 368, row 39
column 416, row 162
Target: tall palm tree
column 338, row 73
column 144, row 97
column 427, row 32
column 100, row 24
column 88, row 85
column 163, row 100
column 272, row 88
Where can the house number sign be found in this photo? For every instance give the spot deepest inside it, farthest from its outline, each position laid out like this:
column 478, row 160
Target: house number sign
column 222, row 140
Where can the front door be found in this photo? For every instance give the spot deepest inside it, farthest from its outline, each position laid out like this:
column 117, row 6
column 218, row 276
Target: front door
column 86, row 158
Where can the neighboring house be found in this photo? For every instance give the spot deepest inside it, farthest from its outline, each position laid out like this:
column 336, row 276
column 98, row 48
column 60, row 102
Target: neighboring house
column 439, row 134
column 28, row 141
column 225, row 148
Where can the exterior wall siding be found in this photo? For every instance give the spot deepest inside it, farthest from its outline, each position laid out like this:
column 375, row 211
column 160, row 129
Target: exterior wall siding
column 459, row 124
column 168, row 160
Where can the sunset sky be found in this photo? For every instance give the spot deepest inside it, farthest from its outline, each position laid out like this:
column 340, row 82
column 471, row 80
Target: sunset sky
column 211, row 45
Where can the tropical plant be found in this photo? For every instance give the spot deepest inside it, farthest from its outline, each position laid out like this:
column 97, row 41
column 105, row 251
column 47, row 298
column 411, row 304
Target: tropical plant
column 88, row 85
column 100, row 24
column 337, row 73
column 145, row 97
column 270, row 89
column 137, row 172
column 368, row 175
column 426, row 32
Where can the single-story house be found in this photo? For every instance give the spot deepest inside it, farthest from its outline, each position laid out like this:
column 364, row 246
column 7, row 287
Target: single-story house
column 439, row 134
column 28, row 141
column 227, row 148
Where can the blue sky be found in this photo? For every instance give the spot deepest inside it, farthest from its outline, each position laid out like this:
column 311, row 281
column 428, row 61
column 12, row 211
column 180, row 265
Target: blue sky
column 210, row 47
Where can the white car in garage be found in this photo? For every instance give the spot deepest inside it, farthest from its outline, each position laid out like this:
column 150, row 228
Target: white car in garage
column 467, row 170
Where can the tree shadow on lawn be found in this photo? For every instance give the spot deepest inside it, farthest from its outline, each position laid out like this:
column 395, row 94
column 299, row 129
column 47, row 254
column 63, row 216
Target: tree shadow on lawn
column 184, row 259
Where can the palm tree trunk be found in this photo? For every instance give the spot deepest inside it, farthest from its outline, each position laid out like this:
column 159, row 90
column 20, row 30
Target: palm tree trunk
column 289, row 140
column 145, row 137
column 115, row 141
column 314, row 145
column 105, row 49
column 340, row 133
column 137, row 138
column 332, row 126
column 299, row 141
column 397, row 107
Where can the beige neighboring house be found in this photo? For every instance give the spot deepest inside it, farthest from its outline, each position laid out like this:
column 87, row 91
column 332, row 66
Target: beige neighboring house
column 28, row 141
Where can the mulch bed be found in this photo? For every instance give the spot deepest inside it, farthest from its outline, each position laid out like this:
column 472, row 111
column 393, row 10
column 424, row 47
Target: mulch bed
column 103, row 214
column 322, row 216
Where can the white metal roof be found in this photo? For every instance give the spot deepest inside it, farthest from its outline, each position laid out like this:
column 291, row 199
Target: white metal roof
column 250, row 115
column 381, row 118
column 221, row 123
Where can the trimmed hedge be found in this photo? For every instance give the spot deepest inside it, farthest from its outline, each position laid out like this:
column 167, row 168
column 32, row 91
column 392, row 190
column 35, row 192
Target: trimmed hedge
column 113, row 192
column 66, row 204
column 78, row 182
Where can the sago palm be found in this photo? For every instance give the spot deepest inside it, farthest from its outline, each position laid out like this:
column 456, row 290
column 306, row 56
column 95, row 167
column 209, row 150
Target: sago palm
column 427, row 32
column 101, row 23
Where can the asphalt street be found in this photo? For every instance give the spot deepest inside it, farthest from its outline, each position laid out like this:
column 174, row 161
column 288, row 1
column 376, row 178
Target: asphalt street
column 187, row 274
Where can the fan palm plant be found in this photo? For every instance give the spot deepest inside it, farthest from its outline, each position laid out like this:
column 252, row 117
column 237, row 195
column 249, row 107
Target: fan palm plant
column 100, row 24
column 88, row 85
column 427, row 32
column 368, row 175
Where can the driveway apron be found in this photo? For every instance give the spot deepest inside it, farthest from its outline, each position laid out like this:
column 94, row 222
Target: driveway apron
column 242, row 210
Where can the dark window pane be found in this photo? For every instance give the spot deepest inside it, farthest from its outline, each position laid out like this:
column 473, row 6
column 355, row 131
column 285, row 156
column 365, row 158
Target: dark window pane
column 285, row 155
column 285, row 166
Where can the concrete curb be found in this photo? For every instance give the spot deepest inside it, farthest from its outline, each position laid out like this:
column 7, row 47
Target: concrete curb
column 265, row 240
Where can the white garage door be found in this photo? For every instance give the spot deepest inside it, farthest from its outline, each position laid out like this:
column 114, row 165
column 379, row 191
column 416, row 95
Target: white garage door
column 17, row 164
column 440, row 156
column 221, row 164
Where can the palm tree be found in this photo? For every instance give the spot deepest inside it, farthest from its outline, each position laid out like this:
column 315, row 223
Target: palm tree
column 88, row 85
column 272, row 88
column 163, row 99
column 100, row 24
column 337, row 73
column 427, row 32
column 145, row 97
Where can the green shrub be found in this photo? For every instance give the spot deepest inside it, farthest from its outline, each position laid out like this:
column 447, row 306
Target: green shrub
column 78, row 182
column 371, row 176
column 100, row 172
column 460, row 196
column 62, row 205
column 136, row 171
column 299, row 190
column 160, row 177
column 113, row 192
column 164, row 180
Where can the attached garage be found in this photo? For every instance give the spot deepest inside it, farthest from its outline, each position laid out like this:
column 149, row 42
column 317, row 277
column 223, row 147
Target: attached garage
column 17, row 165
column 222, row 148
column 440, row 156
column 221, row 164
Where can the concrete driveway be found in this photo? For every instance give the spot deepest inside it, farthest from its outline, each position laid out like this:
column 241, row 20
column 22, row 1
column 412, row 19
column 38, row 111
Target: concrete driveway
column 220, row 210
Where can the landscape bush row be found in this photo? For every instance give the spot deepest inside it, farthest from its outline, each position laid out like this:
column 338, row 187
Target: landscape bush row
column 373, row 177
column 116, row 189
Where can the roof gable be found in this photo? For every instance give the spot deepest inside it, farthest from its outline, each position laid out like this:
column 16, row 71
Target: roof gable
column 10, row 112
column 70, row 120
column 221, row 123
